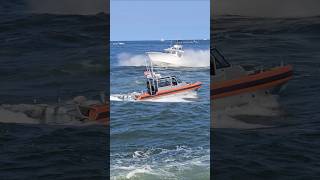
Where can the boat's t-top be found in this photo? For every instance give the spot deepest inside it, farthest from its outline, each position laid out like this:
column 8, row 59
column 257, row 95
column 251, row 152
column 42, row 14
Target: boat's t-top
column 156, row 82
column 158, row 86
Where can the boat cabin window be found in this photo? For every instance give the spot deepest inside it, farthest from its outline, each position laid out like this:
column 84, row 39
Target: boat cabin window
column 174, row 81
column 177, row 79
column 219, row 59
column 164, row 82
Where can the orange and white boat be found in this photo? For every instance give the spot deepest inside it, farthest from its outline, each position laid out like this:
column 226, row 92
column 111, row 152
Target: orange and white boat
column 95, row 112
column 164, row 86
column 228, row 80
column 159, row 86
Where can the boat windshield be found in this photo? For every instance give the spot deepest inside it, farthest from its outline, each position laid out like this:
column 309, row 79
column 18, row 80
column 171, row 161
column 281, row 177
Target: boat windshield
column 177, row 79
column 176, row 47
column 168, row 81
column 218, row 58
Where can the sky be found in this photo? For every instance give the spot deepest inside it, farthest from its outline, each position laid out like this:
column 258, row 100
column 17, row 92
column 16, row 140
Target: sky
column 267, row 8
column 156, row 19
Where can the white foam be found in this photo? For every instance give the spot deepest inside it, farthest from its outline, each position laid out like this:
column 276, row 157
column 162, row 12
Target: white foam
column 160, row 162
column 53, row 114
column 140, row 154
column 261, row 105
column 185, row 97
column 118, row 43
column 16, row 117
column 126, row 59
column 195, row 58
column 191, row 58
column 143, row 170
column 123, row 97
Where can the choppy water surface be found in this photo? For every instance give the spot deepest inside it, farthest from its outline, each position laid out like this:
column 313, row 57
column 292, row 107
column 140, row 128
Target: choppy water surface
column 287, row 148
column 163, row 139
column 45, row 61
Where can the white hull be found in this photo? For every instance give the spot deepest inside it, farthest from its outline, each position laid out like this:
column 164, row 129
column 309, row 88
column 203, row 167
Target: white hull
column 159, row 58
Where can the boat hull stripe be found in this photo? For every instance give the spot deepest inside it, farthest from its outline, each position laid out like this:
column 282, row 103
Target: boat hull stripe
column 246, row 85
column 195, row 86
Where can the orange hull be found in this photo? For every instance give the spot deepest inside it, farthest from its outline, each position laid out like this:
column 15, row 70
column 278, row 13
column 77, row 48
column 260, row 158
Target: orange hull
column 250, row 83
column 188, row 87
column 98, row 113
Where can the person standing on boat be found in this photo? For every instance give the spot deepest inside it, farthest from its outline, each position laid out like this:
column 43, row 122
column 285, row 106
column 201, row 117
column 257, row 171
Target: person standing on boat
column 152, row 87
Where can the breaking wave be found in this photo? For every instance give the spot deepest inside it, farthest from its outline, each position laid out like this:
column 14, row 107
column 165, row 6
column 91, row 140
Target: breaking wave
column 196, row 58
column 245, row 115
column 64, row 113
column 176, row 163
column 126, row 59
column 191, row 58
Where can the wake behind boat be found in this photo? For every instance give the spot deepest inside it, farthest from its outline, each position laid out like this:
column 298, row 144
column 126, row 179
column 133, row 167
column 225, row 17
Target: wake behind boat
column 78, row 111
column 158, row 86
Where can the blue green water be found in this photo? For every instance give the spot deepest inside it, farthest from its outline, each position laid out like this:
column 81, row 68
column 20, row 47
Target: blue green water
column 287, row 148
column 165, row 139
column 43, row 58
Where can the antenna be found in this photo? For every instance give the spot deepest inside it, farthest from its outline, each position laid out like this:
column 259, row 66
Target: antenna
column 145, row 61
column 151, row 68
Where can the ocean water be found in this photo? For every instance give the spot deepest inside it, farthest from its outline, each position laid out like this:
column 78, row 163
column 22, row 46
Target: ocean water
column 45, row 61
column 166, row 138
column 282, row 141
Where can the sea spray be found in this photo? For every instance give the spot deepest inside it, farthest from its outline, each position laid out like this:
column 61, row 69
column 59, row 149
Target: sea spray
column 191, row 58
column 64, row 113
column 176, row 163
column 127, row 59
column 156, row 140
column 190, row 96
column 195, row 58
column 229, row 113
